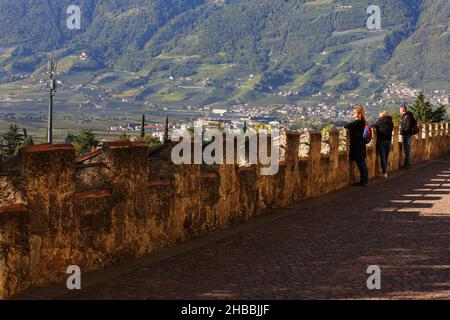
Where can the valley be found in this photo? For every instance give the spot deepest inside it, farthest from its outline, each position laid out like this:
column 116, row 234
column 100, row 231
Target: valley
column 290, row 60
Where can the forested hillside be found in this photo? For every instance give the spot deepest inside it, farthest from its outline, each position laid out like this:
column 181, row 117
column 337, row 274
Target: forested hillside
column 303, row 46
column 426, row 53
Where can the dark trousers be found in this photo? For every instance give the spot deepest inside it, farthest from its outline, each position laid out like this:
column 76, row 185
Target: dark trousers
column 383, row 150
column 364, row 173
column 407, row 147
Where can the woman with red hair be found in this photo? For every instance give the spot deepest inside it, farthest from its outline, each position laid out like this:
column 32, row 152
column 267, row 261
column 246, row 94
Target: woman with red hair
column 358, row 145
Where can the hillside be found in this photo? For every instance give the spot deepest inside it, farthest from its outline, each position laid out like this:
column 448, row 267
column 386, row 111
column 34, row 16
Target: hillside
column 206, row 52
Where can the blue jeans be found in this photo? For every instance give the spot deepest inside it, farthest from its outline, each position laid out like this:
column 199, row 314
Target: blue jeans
column 364, row 173
column 383, row 150
column 407, row 147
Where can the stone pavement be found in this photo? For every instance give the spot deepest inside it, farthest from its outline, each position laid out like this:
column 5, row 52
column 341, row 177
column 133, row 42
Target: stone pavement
column 318, row 249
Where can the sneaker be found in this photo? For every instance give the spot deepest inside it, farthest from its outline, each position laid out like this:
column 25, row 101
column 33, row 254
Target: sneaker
column 383, row 175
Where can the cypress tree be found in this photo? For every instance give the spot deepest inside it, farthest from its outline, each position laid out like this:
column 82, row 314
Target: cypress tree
column 166, row 130
column 143, row 127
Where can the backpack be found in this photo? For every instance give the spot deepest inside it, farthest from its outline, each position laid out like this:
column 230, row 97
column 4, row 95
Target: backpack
column 414, row 128
column 367, row 135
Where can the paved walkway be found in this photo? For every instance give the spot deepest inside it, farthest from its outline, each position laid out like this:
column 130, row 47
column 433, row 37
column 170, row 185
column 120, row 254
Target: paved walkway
column 318, row 249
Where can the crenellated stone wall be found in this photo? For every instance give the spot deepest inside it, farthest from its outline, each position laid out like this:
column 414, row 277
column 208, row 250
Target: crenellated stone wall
column 125, row 201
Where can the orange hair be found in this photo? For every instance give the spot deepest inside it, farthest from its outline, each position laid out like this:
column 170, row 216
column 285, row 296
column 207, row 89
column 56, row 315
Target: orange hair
column 360, row 113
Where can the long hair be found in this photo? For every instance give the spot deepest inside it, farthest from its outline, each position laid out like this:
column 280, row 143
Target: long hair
column 360, row 113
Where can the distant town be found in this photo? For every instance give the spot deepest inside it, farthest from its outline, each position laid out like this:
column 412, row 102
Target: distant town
column 329, row 107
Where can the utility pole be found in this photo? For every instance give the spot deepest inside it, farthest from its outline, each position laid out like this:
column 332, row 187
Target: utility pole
column 51, row 67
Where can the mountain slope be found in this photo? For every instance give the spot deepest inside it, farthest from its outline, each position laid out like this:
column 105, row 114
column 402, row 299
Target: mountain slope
column 425, row 55
column 232, row 50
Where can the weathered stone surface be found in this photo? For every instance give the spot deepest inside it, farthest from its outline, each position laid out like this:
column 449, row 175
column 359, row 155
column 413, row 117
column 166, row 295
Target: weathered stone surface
column 14, row 251
column 134, row 203
column 319, row 250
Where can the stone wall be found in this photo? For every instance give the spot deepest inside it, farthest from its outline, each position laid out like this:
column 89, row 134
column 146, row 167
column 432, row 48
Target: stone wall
column 125, row 200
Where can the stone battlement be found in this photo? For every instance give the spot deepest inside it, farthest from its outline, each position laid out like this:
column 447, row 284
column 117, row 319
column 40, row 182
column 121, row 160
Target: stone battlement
column 125, row 200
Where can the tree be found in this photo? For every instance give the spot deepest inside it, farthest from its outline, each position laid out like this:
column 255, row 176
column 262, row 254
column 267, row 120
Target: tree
column 12, row 139
column 124, row 136
column 330, row 126
column 301, row 124
column 423, row 110
column 2, row 152
column 397, row 118
column 70, row 137
column 143, row 127
column 84, row 142
column 27, row 141
column 259, row 127
column 166, row 130
column 152, row 141
column 440, row 114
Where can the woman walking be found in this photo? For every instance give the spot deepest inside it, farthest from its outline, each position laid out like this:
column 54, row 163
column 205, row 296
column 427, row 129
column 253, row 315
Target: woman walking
column 358, row 145
column 385, row 127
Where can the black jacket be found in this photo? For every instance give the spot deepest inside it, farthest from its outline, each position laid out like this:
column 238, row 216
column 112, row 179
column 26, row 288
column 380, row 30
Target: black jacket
column 408, row 122
column 385, row 127
column 357, row 145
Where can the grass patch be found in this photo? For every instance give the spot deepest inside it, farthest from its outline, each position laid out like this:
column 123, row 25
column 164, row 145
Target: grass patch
column 127, row 93
column 174, row 97
column 66, row 63
column 247, row 86
column 340, row 78
column 5, row 53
